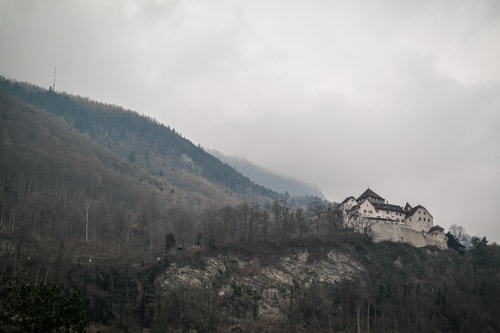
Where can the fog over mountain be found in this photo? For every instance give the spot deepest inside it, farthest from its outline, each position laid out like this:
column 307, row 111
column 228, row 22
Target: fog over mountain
column 268, row 178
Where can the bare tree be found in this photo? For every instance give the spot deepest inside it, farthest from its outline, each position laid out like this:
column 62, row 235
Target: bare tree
column 301, row 222
column 245, row 217
column 182, row 221
column 317, row 208
column 334, row 221
column 351, row 219
column 152, row 216
column 283, row 219
column 263, row 223
column 120, row 220
column 458, row 232
column 246, row 221
column 87, row 206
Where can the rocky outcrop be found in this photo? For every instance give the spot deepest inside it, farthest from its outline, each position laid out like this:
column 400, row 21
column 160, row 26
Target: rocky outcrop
column 268, row 287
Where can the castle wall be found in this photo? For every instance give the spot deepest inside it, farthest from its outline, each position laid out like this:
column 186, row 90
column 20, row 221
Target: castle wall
column 381, row 232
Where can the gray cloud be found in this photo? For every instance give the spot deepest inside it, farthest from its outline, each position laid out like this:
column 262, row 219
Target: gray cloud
column 401, row 96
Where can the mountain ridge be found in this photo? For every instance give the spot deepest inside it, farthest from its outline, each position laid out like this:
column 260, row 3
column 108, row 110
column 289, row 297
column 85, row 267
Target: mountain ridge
column 138, row 139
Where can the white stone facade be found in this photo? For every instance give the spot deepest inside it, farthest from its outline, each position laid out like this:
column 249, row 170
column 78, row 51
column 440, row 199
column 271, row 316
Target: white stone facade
column 419, row 219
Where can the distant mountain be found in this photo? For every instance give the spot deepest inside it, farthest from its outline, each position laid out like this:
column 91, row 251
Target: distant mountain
column 269, row 179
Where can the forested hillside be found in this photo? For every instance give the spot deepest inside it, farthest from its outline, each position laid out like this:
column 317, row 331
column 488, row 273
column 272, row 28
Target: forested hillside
column 76, row 169
column 138, row 139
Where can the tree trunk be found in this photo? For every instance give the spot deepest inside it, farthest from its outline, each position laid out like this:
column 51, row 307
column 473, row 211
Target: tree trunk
column 87, row 205
column 368, row 319
column 358, row 319
column 12, row 220
column 38, row 273
column 46, row 273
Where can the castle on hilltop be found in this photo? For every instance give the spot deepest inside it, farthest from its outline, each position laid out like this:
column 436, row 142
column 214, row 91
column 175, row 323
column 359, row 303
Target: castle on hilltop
column 372, row 214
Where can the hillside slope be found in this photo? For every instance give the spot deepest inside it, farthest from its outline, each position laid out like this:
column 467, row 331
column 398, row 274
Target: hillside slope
column 141, row 141
column 313, row 285
column 54, row 180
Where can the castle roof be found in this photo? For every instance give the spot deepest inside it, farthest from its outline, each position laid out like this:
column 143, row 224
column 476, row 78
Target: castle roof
column 369, row 193
column 386, row 206
column 385, row 219
column 347, row 199
column 414, row 210
column 354, row 208
column 436, row 228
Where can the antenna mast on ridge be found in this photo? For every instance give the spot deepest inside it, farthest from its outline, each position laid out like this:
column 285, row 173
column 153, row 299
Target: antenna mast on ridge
column 54, row 82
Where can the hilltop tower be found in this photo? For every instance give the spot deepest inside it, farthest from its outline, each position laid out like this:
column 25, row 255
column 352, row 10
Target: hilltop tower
column 53, row 87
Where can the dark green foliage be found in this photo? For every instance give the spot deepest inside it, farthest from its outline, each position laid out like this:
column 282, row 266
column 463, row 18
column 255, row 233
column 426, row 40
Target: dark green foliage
column 169, row 241
column 131, row 157
column 454, row 244
column 198, row 240
column 27, row 308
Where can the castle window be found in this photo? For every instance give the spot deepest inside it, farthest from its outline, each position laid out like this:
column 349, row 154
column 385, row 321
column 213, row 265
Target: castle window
column 364, row 210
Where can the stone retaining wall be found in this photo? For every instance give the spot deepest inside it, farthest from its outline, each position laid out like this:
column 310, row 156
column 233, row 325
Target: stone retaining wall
column 380, row 232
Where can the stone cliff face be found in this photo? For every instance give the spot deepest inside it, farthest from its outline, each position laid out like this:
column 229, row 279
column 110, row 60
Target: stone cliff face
column 380, row 232
column 269, row 288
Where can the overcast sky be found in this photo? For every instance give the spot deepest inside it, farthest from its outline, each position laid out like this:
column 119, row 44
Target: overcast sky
column 401, row 96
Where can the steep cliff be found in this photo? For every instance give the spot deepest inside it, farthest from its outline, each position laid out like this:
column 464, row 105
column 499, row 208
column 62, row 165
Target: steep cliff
column 256, row 291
